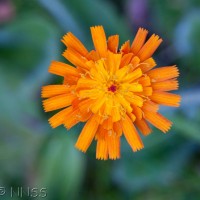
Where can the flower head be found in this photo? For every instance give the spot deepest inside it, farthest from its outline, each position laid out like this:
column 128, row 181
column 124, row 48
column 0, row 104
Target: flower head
column 113, row 91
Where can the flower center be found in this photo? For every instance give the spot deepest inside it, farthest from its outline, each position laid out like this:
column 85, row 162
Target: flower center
column 112, row 88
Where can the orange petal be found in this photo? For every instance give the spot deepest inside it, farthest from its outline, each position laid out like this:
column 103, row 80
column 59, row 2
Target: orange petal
column 137, row 73
column 126, row 59
column 90, row 93
column 166, row 98
column 163, row 73
column 53, row 90
column 70, row 80
column 137, row 112
column 86, row 83
column 126, row 105
column 113, row 143
column 139, row 40
column 101, row 132
column 143, row 126
column 158, row 121
column 113, row 42
column 131, row 87
column 149, row 47
column 135, row 100
column 135, row 63
column 90, row 64
column 95, row 107
column 108, row 123
column 165, row 85
column 131, row 134
column 84, row 116
column 113, row 62
column 62, row 69
column 116, row 116
column 147, row 91
column 99, row 66
column 87, row 134
column 72, row 119
column 84, row 105
column 99, row 40
column 93, row 55
column 58, row 102
column 144, row 80
column 75, row 103
column 150, row 106
column 74, row 43
column 108, row 105
column 122, row 72
column 102, row 149
column 84, row 110
column 147, row 65
column 117, row 128
column 59, row 117
column 75, row 58
column 132, row 116
column 125, row 48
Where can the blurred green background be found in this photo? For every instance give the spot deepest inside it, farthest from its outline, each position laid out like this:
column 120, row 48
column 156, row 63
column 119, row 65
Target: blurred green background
column 32, row 155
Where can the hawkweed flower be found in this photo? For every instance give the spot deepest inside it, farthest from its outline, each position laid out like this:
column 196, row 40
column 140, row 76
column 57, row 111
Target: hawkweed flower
column 112, row 90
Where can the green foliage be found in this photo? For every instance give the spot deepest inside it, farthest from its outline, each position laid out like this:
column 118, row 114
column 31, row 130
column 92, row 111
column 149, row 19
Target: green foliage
column 34, row 155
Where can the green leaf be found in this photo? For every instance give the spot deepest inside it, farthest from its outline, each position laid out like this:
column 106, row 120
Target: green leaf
column 187, row 128
column 61, row 167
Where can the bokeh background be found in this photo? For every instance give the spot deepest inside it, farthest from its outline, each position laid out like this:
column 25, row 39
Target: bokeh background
column 34, row 155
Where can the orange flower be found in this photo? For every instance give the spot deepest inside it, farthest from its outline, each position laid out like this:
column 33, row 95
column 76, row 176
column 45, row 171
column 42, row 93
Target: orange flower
column 111, row 90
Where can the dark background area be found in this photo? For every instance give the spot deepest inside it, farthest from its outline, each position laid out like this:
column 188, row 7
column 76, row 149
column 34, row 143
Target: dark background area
column 34, row 155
